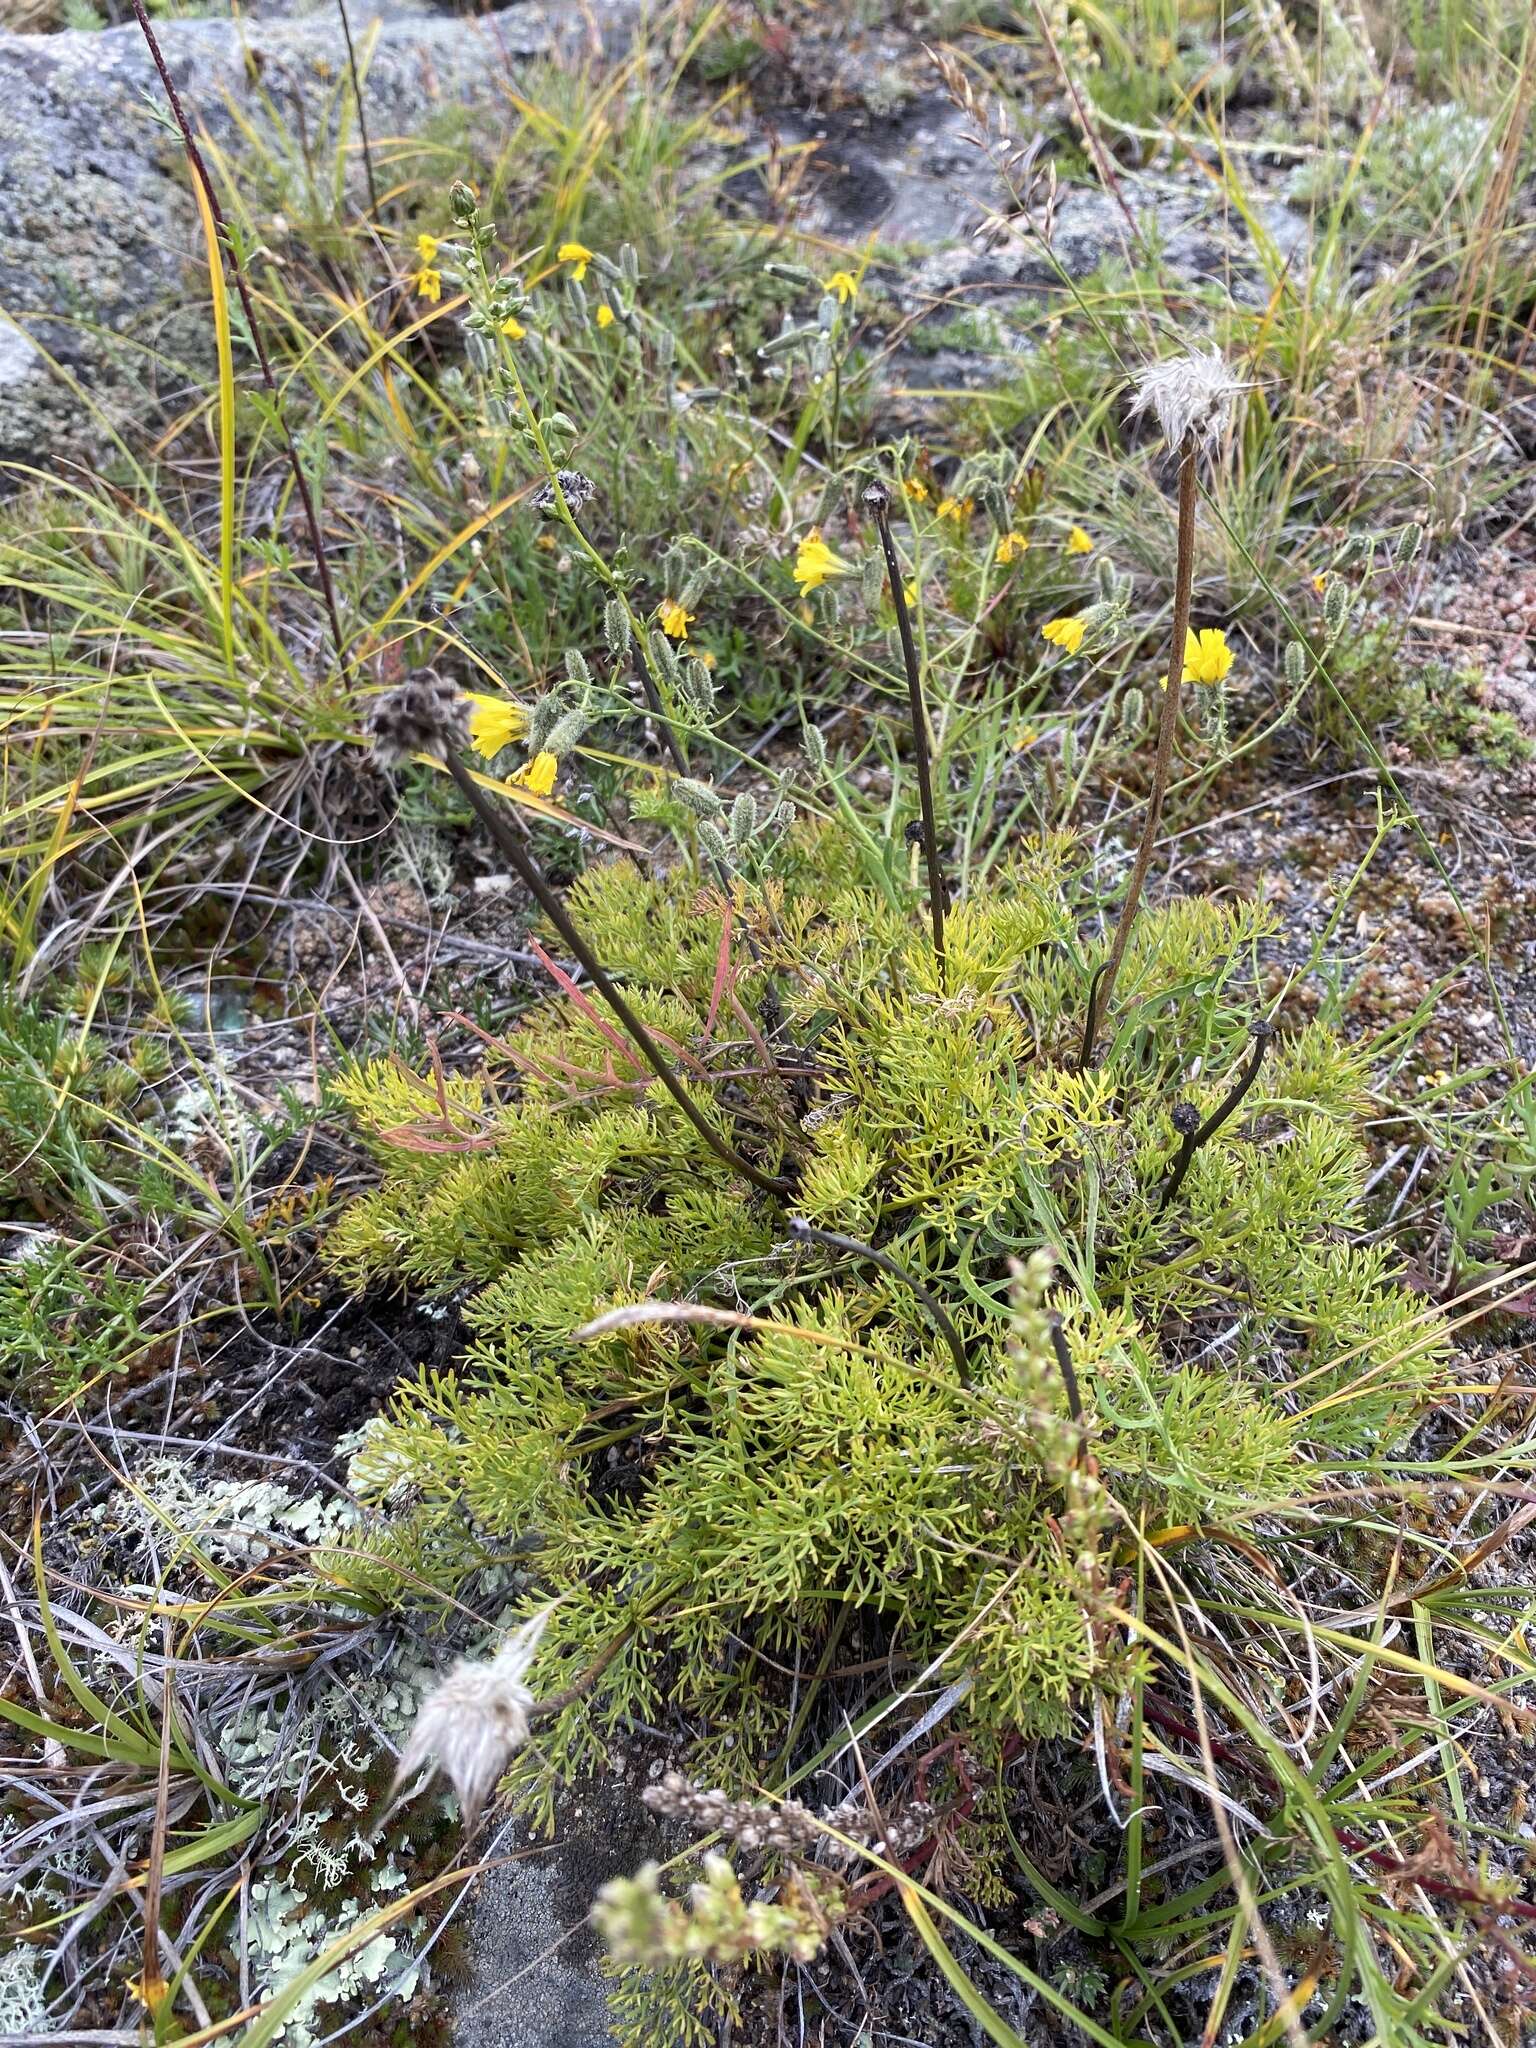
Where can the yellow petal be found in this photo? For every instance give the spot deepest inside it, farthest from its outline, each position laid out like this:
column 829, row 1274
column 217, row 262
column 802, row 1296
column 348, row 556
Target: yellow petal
column 605, row 316
column 539, row 775
column 1078, row 542
column 494, row 722
column 1065, row 633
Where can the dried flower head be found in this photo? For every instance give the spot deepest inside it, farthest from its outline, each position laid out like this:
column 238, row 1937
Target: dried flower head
column 473, row 1721
column 1191, row 396
column 426, row 715
column 576, row 489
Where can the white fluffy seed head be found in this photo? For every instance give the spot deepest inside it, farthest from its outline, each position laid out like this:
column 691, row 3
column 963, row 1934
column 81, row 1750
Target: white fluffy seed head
column 475, row 1720
column 1190, row 396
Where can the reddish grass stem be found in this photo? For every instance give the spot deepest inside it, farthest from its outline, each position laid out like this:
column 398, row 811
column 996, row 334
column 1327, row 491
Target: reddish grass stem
column 237, row 272
column 362, row 118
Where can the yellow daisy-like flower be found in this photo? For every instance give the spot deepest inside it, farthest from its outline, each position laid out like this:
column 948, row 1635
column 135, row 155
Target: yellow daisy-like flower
column 605, row 316
column 1010, row 545
column 958, row 509
column 429, row 285
column 844, row 283
column 815, row 562
column 578, row 255
column 916, row 490
column 513, row 328
column 1079, row 543
column 1207, row 657
column 1065, row 633
column 674, row 617
column 538, row 778
column 494, row 722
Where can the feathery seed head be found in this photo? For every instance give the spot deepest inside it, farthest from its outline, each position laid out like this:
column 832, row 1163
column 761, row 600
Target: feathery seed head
column 1190, row 397
column 426, row 715
column 474, row 1721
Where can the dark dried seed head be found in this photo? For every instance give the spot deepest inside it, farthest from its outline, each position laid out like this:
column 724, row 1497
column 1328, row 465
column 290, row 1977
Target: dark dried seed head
column 577, row 490
column 1261, row 1029
column 424, row 716
column 877, row 499
column 1186, row 1119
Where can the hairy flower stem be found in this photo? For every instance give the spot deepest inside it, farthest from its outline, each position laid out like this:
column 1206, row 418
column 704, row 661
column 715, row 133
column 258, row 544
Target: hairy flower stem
column 877, row 499
column 1167, row 732
column 807, row 1233
column 532, row 877
column 1262, row 1032
column 237, row 272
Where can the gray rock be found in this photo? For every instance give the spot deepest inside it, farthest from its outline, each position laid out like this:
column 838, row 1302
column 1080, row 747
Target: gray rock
column 97, row 221
column 534, row 1980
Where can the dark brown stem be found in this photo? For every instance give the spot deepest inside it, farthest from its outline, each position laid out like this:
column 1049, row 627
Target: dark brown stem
column 1262, row 1031
column 1067, row 1370
column 807, row 1233
column 878, row 500
column 357, row 101
column 1167, row 732
column 237, row 272
column 532, row 877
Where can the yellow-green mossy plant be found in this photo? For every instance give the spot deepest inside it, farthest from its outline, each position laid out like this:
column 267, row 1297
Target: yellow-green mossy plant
column 776, row 1434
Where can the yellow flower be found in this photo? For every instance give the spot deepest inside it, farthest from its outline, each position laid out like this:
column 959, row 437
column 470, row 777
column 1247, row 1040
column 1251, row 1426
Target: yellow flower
column 1010, row 545
column 844, row 284
column 429, row 285
column 909, row 592
column 674, row 617
column 1207, row 657
column 494, row 722
column 577, row 254
column 605, row 316
column 958, row 509
column 513, row 328
column 916, row 490
column 1065, row 633
column 815, row 562
column 1078, row 542
column 538, row 778
column 1320, row 581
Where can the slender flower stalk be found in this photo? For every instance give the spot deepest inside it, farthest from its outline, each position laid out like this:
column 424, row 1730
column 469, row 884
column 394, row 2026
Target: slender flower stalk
column 429, row 716
column 237, row 271
column 877, row 500
column 533, row 879
column 1187, row 1122
column 1192, row 399
column 807, row 1233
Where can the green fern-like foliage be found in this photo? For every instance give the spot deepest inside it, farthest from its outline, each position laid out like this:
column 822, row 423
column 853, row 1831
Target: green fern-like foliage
column 711, row 1497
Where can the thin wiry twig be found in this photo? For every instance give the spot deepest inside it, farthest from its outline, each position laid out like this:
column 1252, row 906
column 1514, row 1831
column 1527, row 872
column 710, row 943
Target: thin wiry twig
column 357, row 101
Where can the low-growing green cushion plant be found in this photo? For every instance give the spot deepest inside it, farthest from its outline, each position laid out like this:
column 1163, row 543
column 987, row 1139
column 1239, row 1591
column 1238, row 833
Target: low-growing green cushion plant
column 711, row 1488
